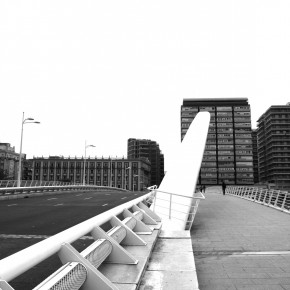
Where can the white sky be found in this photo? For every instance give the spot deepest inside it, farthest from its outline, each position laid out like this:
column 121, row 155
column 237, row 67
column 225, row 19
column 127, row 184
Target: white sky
column 106, row 71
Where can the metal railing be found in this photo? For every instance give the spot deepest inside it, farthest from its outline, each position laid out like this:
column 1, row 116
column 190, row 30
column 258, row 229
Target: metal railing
column 8, row 191
column 31, row 183
column 182, row 211
column 277, row 199
column 80, row 269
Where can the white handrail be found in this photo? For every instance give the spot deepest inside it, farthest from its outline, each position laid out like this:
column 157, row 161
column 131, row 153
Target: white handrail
column 20, row 262
column 273, row 198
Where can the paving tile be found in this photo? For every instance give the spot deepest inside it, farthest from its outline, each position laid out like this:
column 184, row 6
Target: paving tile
column 226, row 227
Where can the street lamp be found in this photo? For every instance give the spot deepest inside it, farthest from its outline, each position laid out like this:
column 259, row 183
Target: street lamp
column 125, row 175
column 24, row 121
column 84, row 175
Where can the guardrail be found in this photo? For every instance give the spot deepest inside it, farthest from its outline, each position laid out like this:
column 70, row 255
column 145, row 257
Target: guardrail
column 30, row 183
column 8, row 191
column 182, row 210
column 80, row 269
column 277, row 199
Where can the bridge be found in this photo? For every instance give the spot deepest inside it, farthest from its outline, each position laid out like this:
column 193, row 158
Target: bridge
column 173, row 237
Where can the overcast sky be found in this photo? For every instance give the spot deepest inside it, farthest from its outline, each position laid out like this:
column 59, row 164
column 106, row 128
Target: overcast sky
column 106, row 71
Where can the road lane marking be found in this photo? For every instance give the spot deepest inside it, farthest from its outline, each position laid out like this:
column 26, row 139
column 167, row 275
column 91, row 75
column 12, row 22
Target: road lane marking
column 124, row 197
column 58, row 204
column 88, row 197
column 52, row 198
column 12, row 204
column 105, row 204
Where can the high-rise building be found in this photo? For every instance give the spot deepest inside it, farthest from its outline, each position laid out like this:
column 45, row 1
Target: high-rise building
column 255, row 156
column 9, row 161
column 148, row 149
column 274, row 146
column 228, row 154
column 132, row 174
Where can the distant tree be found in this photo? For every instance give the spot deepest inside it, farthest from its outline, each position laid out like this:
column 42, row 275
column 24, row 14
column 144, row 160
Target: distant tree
column 3, row 174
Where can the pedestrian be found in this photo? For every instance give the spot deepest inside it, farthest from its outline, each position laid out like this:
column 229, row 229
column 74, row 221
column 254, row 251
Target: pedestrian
column 224, row 187
column 203, row 188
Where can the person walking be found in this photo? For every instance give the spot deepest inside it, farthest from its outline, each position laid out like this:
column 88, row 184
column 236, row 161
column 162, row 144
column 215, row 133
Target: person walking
column 224, row 186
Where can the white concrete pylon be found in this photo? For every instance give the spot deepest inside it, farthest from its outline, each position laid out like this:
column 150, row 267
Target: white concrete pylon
column 182, row 176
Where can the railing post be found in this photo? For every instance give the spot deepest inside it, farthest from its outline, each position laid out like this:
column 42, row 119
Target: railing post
column 277, row 198
column 256, row 192
column 170, row 202
column 284, row 201
column 264, row 199
column 270, row 196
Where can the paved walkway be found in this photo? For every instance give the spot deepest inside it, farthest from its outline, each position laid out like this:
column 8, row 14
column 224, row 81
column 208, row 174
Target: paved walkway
column 239, row 244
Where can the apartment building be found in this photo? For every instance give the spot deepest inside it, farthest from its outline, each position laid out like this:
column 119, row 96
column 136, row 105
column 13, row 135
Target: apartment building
column 255, row 156
column 148, row 149
column 131, row 174
column 228, row 154
column 273, row 136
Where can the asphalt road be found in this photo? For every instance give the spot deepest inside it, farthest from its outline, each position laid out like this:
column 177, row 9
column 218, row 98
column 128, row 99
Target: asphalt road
column 24, row 222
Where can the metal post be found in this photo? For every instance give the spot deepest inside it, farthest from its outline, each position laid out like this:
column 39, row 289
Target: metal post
column 20, row 154
column 170, row 206
column 84, row 173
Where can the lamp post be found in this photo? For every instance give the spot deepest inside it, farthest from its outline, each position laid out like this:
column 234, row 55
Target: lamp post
column 84, row 175
column 24, row 121
column 135, row 175
column 125, row 175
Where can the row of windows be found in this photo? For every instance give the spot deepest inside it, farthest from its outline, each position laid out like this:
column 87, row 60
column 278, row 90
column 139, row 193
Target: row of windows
column 78, row 171
column 227, row 175
column 212, row 108
column 74, row 164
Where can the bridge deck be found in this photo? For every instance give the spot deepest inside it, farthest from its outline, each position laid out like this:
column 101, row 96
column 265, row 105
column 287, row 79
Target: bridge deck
column 239, row 244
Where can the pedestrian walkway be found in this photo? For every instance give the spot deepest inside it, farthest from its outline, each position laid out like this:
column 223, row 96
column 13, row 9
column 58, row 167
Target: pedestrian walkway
column 239, row 244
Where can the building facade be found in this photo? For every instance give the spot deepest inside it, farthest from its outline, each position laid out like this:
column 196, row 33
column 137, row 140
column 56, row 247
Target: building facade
column 9, row 161
column 145, row 148
column 273, row 136
column 228, row 154
column 255, row 156
column 131, row 174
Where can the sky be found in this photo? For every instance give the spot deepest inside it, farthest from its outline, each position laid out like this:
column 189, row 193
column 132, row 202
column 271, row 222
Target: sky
column 104, row 71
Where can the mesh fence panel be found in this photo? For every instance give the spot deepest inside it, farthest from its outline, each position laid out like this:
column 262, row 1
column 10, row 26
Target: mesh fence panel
column 71, row 277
